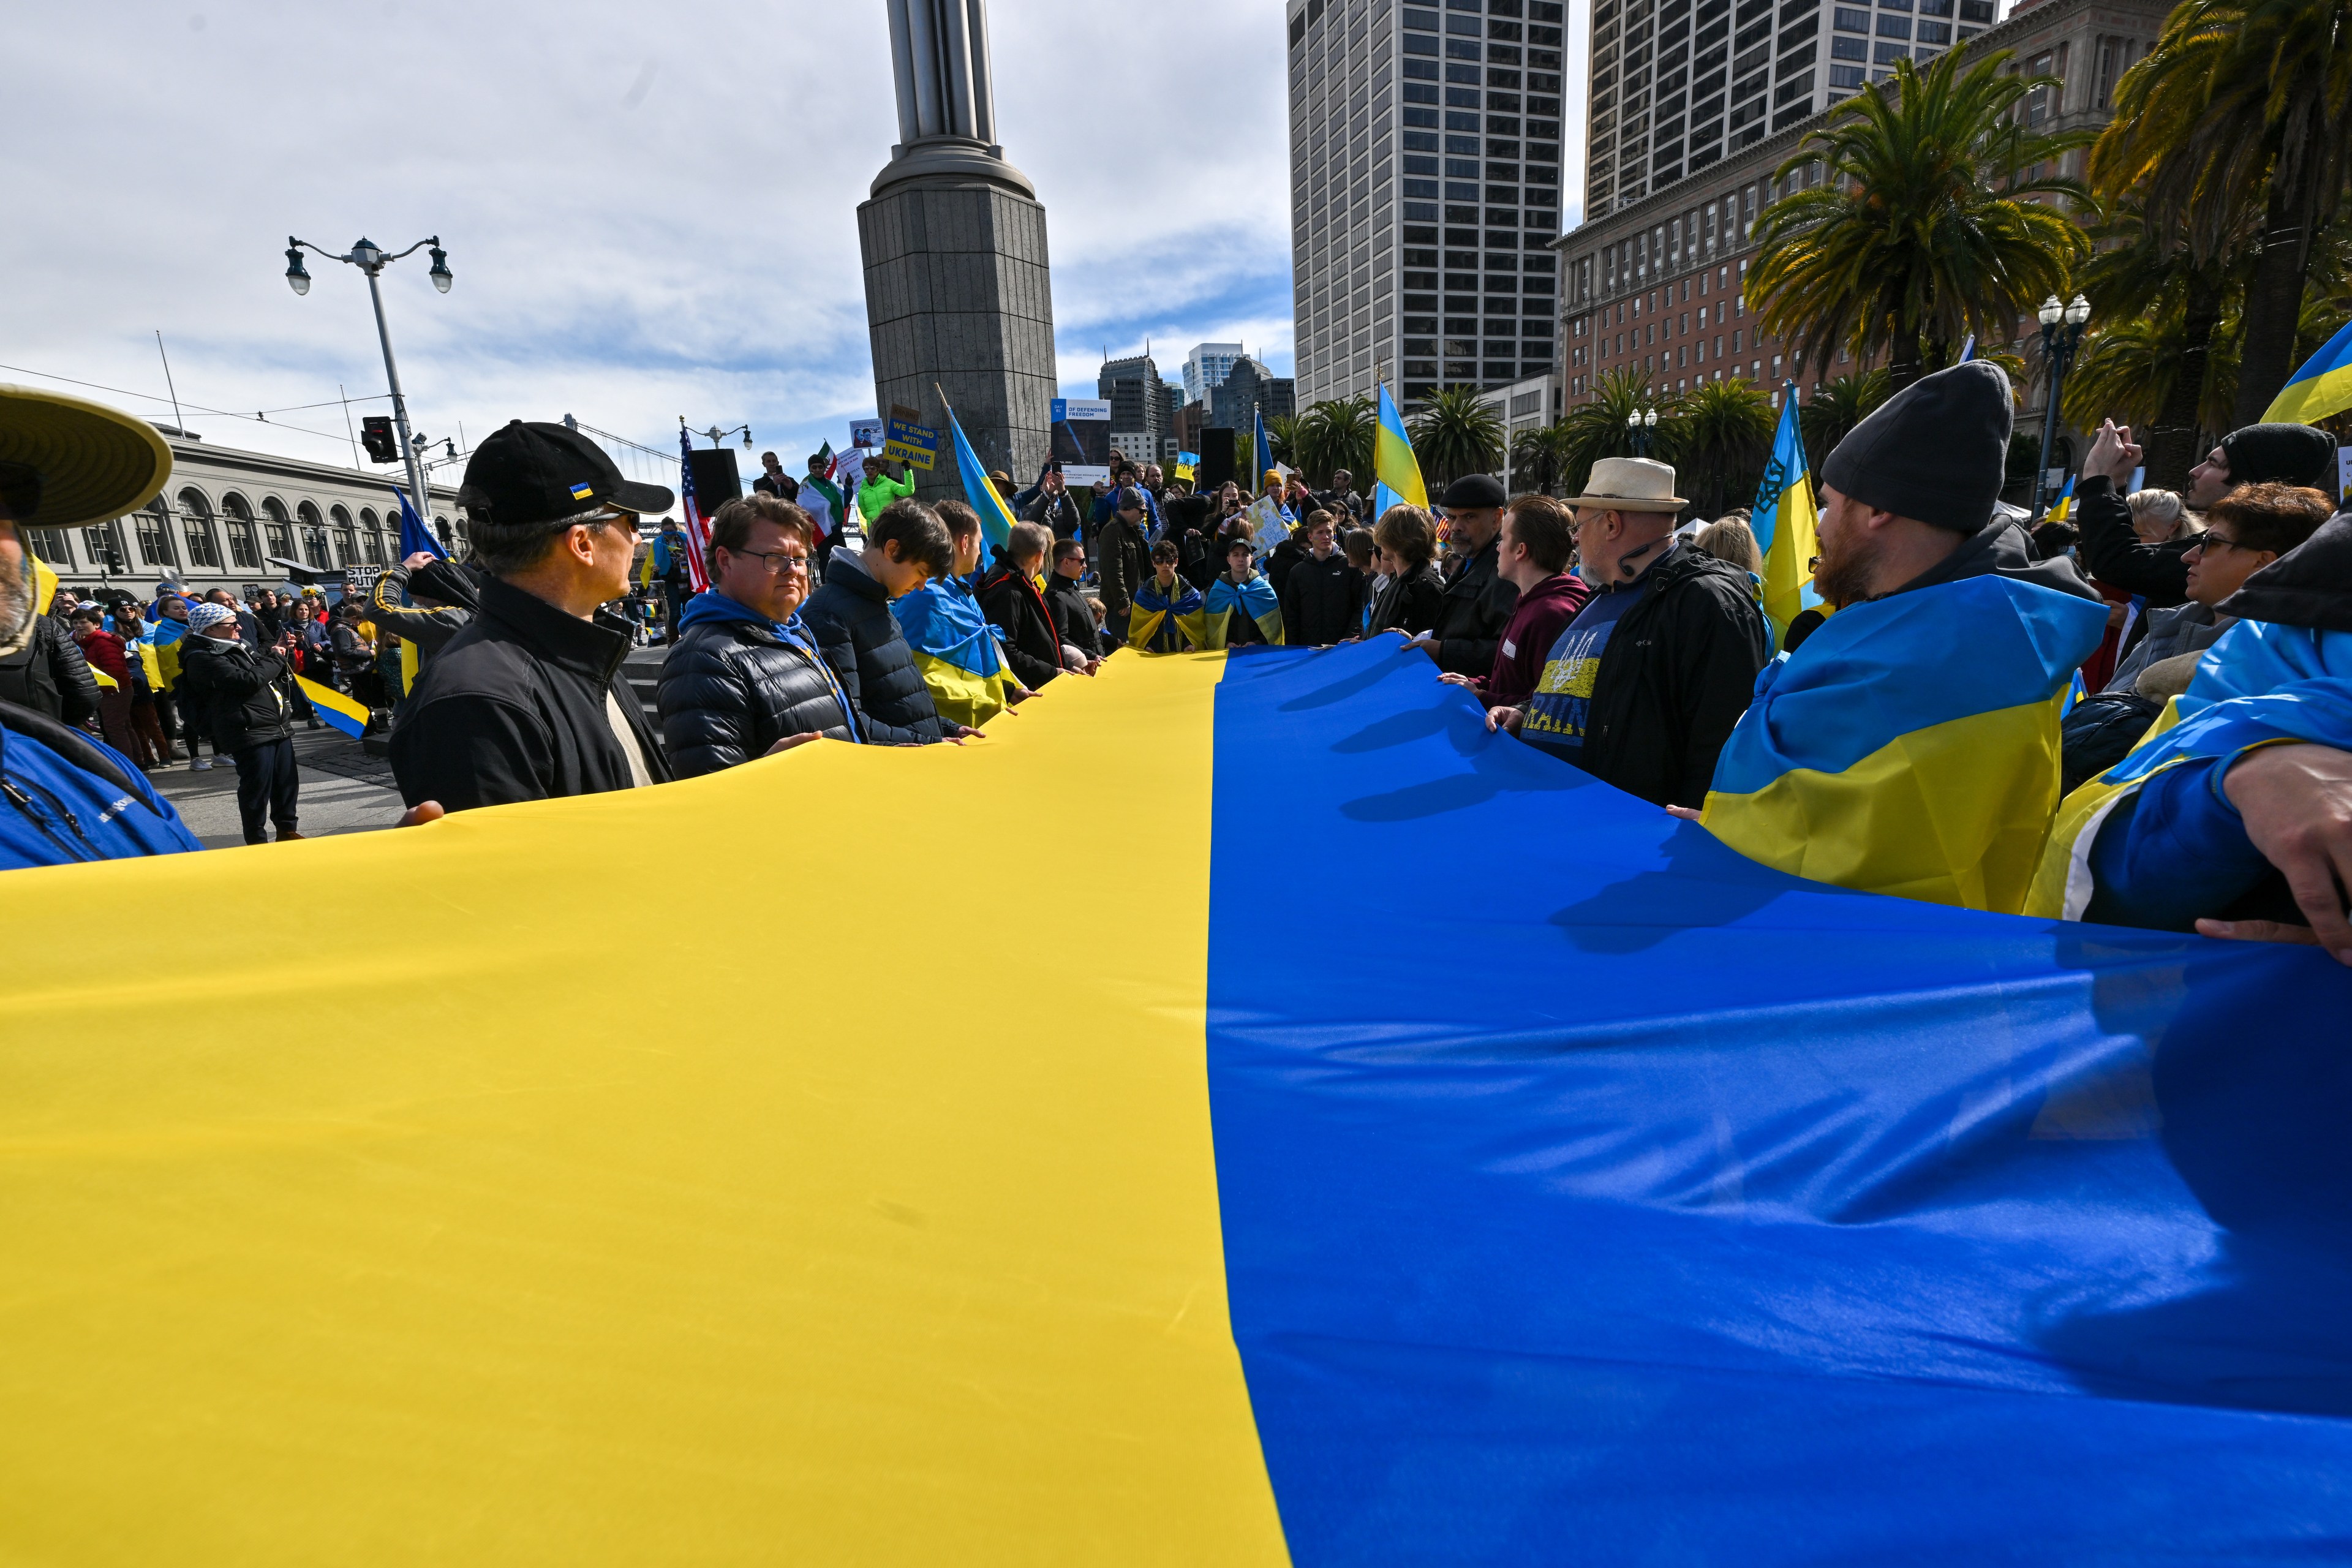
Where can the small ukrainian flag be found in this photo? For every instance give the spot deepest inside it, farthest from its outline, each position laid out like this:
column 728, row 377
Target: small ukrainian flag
column 334, row 706
column 2322, row 387
column 583, row 492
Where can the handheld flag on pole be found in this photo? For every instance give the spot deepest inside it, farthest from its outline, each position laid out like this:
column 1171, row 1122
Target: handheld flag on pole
column 697, row 533
column 1396, row 472
column 1784, row 519
column 2322, row 387
column 413, row 535
column 333, row 708
column 1264, row 449
column 2066, row 502
column 996, row 519
column 1967, row 350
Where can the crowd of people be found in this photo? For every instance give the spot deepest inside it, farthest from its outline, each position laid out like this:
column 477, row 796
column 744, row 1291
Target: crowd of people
column 1905, row 736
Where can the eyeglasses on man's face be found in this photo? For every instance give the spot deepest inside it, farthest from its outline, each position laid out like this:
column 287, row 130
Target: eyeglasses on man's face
column 777, row 562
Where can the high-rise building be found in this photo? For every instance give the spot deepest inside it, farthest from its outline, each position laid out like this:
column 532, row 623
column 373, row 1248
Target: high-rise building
column 1424, row 192
column 1654, row 285
column 1248, row 391
column 1677, row 84
column 1207, row 366
column 1132, row 387
column 1171, row 403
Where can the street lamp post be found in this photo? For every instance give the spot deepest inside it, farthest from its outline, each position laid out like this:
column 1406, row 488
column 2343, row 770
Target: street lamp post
column 2062, row 333
column 373, row 260
column 715, row 436
column 1641, row 430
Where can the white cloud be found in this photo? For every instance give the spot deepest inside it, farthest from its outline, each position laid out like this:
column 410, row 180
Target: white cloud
column 649, row 213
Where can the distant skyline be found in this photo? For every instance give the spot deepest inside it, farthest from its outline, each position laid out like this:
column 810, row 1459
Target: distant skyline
column 635, row 234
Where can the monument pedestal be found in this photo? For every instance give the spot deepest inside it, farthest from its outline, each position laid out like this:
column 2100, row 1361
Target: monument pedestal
column 958, row 294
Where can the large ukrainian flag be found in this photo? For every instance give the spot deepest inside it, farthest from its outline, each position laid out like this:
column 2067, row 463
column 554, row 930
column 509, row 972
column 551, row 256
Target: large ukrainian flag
column 1910, row 746
column 1718, row 1217
column 1396, row 472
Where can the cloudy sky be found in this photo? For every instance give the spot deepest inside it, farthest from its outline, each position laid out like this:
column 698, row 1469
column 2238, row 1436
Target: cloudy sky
column 650, row 211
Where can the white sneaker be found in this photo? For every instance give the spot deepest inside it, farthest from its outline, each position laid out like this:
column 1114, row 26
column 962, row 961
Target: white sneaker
column 199, row 765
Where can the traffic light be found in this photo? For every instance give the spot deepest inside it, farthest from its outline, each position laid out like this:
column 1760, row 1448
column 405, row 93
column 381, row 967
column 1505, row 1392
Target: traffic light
column 375, row 435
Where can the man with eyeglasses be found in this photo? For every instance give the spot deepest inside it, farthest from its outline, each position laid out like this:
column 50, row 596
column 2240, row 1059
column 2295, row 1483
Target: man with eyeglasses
column 746, row 678
column 528, row 701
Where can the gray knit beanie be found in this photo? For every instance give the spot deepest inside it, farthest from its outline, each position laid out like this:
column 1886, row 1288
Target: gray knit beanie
column 1936, row 451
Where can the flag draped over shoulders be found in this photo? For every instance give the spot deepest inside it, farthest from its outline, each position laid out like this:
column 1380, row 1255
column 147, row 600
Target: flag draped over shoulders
column 955, row 647
column 1166, row 620
column 1910, row 745
column 1254, row 598
column 2261, row 684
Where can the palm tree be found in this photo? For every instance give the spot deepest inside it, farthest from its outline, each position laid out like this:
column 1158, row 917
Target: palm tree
column 1597, row 430
column 1924, row 229
column 1456, row 432
column 2141, row 370
column 1333, row 435
column 1838, row 407
column 1723, row 433
column 1537, row 455
column 1281, row 434
column 2235, row 93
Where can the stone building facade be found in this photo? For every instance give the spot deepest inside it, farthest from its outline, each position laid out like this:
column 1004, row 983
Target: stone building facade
column 1655, row 284
column 226, row 515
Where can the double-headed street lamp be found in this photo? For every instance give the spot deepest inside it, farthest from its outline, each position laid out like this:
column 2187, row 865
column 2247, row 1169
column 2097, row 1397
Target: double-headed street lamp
column 715, row 436
column 372, row 261
column 1641, row 430
column 2062, row 333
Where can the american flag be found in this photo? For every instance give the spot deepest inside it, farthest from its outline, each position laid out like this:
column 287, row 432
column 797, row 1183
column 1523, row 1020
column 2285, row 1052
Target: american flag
column 698, row 534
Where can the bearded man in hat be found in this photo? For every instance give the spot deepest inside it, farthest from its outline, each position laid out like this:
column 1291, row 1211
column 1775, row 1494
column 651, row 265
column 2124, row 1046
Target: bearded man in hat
column 1643, row 685
column 2251, row 455
column 64, row 463
column 1910, row 745
column 527, row 703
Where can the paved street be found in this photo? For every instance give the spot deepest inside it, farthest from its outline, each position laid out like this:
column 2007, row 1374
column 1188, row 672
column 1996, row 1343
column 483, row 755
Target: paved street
column 344, row 790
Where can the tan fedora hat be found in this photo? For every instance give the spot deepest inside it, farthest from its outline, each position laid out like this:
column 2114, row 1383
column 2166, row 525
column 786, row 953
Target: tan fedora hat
column 93, row 462
column 1631, row 484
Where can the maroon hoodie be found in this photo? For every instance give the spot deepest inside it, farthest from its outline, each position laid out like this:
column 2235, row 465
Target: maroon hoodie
column 1543, row 610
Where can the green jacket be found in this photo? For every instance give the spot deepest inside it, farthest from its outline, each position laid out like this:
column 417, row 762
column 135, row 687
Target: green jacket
column 875, row 493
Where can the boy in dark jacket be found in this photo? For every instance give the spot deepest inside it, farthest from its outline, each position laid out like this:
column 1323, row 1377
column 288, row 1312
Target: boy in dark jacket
column 906, row 546
column 247, row 693
column 1323, row 602
column 1533, row 550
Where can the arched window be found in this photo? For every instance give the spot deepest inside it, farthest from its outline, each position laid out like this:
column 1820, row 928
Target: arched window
column 347, row 552
column 369, row 540
column 104, row 544
column 197, row 526
column 154, row 534
column 278, row 529
column 314, row 535
column 237, row 519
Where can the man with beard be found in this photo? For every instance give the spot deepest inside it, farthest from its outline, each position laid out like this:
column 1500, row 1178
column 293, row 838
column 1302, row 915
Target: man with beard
column 1910, row 746
column 64, row 795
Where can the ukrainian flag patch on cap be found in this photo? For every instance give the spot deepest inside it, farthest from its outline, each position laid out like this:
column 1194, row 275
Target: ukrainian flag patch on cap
column 581, row 492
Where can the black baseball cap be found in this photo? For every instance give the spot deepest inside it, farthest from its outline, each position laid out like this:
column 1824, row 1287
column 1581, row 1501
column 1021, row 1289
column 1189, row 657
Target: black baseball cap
column 531, row 471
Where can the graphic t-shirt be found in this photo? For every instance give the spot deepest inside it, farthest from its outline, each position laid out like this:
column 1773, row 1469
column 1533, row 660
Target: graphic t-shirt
column 1563, row 703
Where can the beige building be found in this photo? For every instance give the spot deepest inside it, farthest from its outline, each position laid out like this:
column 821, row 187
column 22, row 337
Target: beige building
column 1655, row 284
column 227, row 515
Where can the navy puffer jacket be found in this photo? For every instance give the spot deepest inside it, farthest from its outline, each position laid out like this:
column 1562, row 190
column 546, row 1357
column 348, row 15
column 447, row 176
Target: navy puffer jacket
column 859, row 636
column 732, row 687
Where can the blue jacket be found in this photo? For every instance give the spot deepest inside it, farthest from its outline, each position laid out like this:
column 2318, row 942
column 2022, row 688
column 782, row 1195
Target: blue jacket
column 65, row 796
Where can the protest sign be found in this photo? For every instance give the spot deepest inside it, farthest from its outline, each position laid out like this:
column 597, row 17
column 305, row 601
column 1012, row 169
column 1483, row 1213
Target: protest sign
column 1268, row 526
column 866, row 433
column 1187, row 464
column 911, row 443
column 1082, row 439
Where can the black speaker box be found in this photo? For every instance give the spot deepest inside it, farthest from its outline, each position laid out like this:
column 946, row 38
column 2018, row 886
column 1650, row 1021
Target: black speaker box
column 1217, row 456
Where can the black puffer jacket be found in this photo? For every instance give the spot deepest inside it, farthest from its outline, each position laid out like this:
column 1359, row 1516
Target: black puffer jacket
column 245, row 695
column 519, row 706
column 859, row 636
column 731, row 688
column 1409, row 604
column 49, row 676
column 1675, row 676
column 1074, row 615
column 1477, row 607
column 1322, row 603
column 1031, row 645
